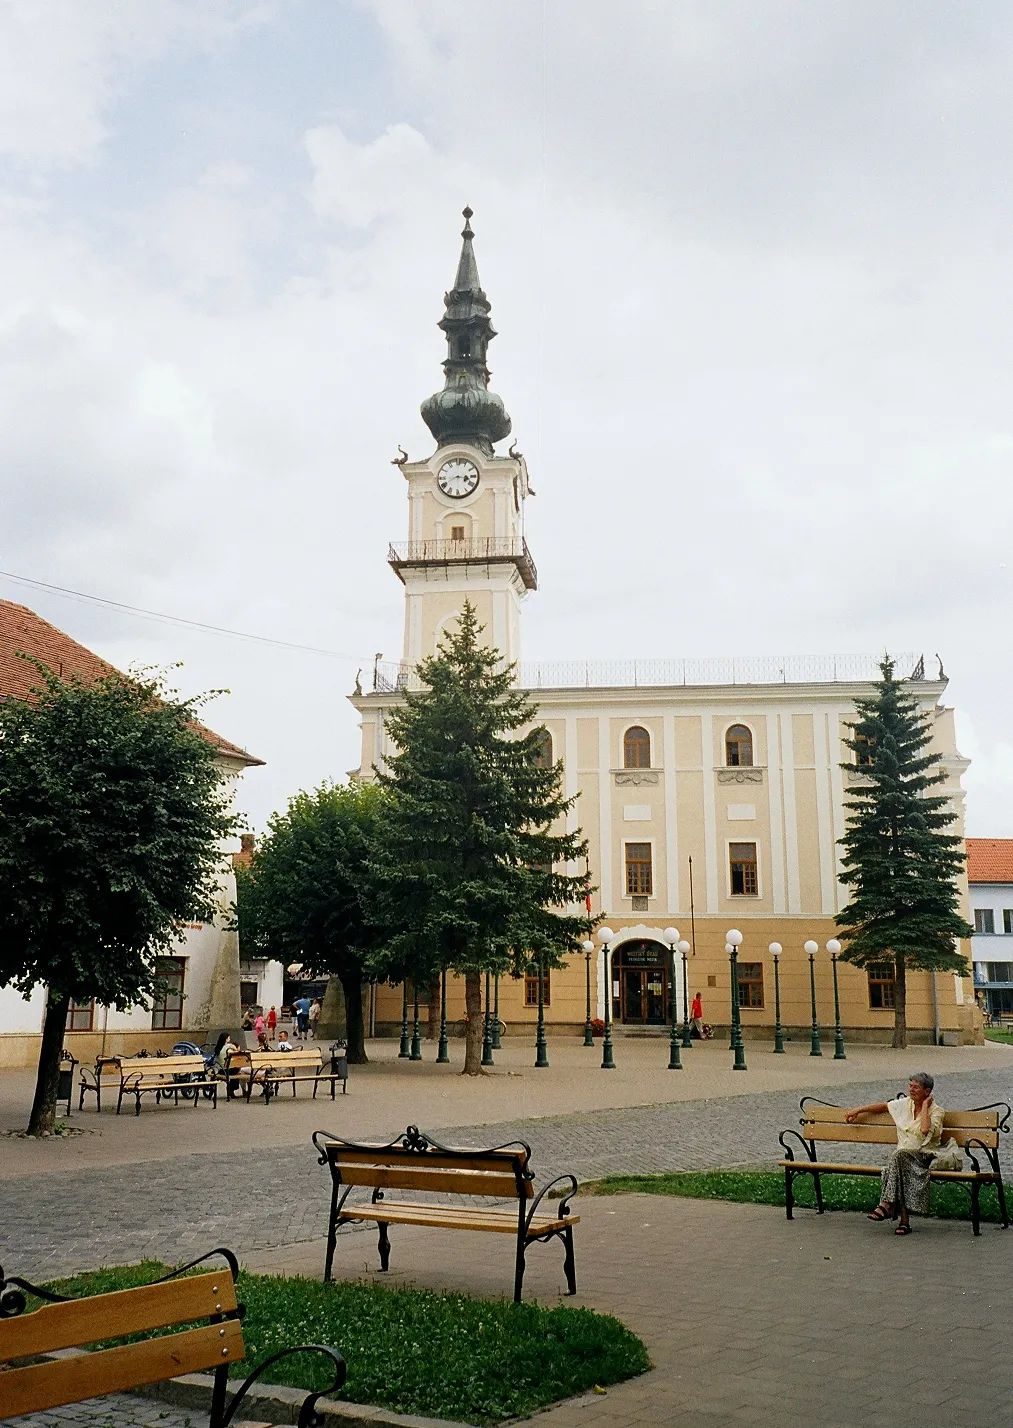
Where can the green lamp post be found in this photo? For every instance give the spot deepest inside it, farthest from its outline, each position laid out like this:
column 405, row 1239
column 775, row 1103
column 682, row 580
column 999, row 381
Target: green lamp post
column 588, row 948
column 541, row 1050
column 443, row 1050
column 814, row 1042
column 405, row 1049
column 606, row 937
column 729, row 949
column 734, row 941
column 487, row 1026
column 416, row 1051
column 671, row 936
column 687, row 1030
column 496, row 1042
column 834, row 947
column 775, row 951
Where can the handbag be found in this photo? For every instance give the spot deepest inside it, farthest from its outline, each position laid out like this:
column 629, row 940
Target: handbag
column 948, row 1157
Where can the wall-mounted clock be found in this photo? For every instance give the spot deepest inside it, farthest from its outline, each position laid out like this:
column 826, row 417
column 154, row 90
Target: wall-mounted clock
column 457, row 477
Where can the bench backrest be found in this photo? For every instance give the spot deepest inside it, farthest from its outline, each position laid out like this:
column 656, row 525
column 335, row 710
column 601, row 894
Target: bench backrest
column 499, row 1174
column 161, row 1065
column 38, row 1387
column 823, row 1122
column 280, row 1060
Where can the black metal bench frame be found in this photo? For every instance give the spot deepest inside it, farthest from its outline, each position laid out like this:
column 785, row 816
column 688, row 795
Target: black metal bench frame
column 971, row 1180
column 14, row 1300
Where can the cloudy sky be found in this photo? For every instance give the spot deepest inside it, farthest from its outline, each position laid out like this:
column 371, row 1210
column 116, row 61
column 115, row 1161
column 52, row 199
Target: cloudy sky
column 751, row 264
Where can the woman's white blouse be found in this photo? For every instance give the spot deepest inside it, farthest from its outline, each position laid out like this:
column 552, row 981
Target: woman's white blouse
column 910, row 1135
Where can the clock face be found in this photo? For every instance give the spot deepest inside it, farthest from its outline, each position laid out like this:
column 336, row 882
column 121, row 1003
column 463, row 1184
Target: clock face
column 457, row 477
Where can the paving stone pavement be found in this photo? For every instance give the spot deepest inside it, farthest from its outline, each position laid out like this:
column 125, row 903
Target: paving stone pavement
column 258, row 1199
column 116, row 1410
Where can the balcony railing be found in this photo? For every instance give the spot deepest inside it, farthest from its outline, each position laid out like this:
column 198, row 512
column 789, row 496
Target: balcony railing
column 655, row 673
column 481, row 550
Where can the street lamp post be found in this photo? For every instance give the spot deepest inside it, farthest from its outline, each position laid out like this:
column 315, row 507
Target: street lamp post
column 487, row 1026
column 729, row 949
column 588, row 948
column 734, row 941
column 541, row 1050
column 443, row 1049
column 416, row 1051
column 814, row 1044
column 606, row 937
column 687, row 1030
column 671, row 936
column 496, row 1042
column 833, row 947
column 405, row 1049
column 775, row 951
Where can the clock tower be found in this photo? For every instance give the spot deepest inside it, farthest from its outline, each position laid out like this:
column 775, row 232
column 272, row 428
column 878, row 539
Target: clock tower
column 465, row 503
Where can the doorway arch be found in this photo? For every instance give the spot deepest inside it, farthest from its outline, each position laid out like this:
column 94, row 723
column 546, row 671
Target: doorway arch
column 640, row 982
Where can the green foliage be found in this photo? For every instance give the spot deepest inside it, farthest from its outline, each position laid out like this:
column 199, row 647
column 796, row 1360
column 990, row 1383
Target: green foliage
column 441, row 1355
column 766, row 1187
column 900, row 860
column 469, row 860
column 112, row 806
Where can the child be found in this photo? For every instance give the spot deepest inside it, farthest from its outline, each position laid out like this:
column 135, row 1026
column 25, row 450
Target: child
column 272, row 1021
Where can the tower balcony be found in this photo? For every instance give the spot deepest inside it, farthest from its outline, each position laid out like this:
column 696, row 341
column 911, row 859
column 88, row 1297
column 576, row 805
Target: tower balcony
column 482, row 550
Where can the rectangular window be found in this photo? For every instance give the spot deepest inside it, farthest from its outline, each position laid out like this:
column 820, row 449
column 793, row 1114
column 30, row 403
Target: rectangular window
column 531, row 988
column 167, row 1011
column 1007, row 919
column 984, row 919
column 881, row 985
column 639, row 873
column 81, row 1015
column 742, row 868
column 750, row 984
column 457, row 533
column 999, row 971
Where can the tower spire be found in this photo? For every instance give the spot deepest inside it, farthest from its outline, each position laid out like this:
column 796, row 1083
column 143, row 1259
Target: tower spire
column 466, row 411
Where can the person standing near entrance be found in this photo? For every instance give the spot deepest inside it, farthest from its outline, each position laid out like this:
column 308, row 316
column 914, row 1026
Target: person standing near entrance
column 301, row 1007
column 696, row 1017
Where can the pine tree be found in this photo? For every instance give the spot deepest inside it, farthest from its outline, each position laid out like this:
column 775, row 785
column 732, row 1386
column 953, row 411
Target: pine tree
column 900, row 858
column 468, row 861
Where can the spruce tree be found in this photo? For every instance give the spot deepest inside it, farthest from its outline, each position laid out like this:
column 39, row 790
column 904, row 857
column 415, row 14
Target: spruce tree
column 469, row 861
column 900, row 858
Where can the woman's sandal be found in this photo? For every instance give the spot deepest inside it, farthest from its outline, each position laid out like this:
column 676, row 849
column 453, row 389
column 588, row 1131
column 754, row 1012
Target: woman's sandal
column 903, row 1230
column 879, row 1214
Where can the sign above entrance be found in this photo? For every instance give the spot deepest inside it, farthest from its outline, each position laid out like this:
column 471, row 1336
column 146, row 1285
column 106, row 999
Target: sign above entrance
column 640, row 954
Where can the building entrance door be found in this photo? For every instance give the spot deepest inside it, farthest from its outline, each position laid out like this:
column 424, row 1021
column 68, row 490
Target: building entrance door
column 642, row 978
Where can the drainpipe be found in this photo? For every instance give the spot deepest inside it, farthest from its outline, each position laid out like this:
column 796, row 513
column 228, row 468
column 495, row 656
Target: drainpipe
column 935, row 1010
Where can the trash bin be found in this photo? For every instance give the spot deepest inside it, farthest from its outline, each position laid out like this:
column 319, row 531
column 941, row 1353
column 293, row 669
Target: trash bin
column 65, row 1090
column 339, row 1064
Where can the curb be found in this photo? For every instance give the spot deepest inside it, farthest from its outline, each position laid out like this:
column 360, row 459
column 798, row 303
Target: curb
column 276, row 1403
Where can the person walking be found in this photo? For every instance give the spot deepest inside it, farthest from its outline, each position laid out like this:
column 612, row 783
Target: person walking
column 258, row 1027
column 696, row 1018
column 314, row 1018
column 301, row 1007
column 272, row 1022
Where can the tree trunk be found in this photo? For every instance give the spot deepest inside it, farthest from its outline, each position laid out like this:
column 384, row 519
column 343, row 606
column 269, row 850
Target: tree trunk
column 47, row 1084
column 473, row 1006
column 351, row 985
column 433, row 1024
column 899, row 1003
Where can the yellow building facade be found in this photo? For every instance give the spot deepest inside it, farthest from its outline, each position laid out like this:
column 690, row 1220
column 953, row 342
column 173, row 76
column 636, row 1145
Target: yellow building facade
column 711, row 792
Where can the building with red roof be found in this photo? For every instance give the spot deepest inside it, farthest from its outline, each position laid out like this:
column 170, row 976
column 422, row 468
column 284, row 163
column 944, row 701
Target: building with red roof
column 990, row 883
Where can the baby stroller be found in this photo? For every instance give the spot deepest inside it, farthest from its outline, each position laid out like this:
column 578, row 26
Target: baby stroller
column 207, row 1066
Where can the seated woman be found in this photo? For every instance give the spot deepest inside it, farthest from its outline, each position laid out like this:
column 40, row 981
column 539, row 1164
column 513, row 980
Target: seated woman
column 919, row 1122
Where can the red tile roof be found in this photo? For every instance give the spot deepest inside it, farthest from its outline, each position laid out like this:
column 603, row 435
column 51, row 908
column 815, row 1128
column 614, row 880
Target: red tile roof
column 21, row 630
column 990, row 860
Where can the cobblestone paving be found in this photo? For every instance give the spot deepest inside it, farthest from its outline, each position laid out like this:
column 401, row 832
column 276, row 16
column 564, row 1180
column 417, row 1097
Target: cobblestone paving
column 253, row 1200
column 116, row 1410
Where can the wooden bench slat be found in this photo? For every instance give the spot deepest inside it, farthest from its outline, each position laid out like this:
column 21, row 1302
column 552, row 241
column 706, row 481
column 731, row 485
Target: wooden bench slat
column 457, row 1217
column 863, row 1133
column 500, row 1162
column 71, row 1380
column 849, row 1167
column 107, row 1316
column 834, row 1115
column 456, row 1182
column 161, row 1063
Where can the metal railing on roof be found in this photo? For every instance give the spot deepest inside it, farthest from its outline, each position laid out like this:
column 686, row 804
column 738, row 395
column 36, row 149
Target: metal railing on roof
column 668, row 673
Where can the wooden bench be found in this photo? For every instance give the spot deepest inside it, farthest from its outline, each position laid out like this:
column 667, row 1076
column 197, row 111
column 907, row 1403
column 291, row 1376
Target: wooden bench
column 975, row 1131
column 417, row 1162
column 272, row 1069
column 105, row 1073
column 62, row 1324
column 167, row 1078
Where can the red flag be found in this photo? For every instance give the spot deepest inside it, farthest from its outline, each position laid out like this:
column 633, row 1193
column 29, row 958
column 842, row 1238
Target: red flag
column 587, row 904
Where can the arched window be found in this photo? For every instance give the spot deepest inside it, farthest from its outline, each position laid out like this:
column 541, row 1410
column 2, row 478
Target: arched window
column 637, row 748
column 738, row 747
column 543, row 756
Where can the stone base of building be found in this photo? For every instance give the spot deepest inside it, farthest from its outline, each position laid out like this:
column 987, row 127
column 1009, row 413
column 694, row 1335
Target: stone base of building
column 18, row 1051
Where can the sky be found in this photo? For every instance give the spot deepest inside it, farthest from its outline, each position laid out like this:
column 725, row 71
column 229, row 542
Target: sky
column 752, row 270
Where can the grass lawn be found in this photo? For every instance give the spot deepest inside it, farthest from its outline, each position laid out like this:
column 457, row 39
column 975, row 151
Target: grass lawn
column 766, row 1187
column 996, row 1033
column 438, row 1355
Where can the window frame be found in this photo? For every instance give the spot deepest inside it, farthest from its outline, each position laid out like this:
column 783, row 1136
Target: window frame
column 751, row 982
column 630, row 863
column 981, row 914
column 889, row 1000
column 1007, row 921
column 159, row 1007
column 740, row 724
column 743, row 843
column 77, row 1007
column 543, row 761
column 531, row 988
column 627, row 746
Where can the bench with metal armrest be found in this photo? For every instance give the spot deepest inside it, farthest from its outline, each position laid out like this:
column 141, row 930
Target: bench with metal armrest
column 416, row 1162
column 165, row 1077
column 976, row 1132
column 270, row 1070
column 179, row 1298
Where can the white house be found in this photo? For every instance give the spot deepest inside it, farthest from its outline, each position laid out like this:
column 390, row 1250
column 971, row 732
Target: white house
column 990, row 881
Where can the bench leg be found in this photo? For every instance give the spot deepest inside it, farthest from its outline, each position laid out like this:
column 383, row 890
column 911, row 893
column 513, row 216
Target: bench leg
column 332, row 1233
column 384, row 1247
column 976, row 1206
column 819, row 1194
column 519, row 1268
column 569, row 1267
column 137, row 1103
column 789, row 1193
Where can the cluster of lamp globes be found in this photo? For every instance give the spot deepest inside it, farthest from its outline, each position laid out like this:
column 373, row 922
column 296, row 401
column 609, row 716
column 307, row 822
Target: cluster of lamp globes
column 733, row 939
